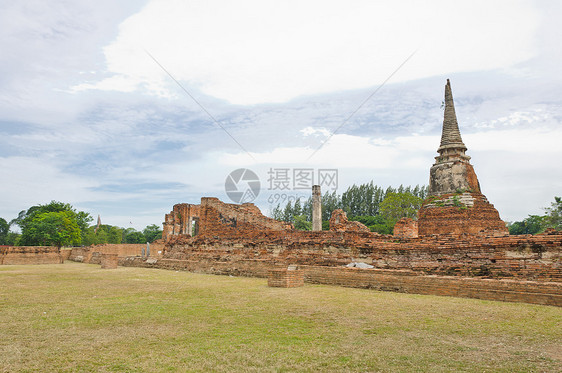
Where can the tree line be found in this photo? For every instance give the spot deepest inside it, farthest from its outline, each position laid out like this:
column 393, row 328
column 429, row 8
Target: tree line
column 533, row 224
column 377, row 207
column 60, row 224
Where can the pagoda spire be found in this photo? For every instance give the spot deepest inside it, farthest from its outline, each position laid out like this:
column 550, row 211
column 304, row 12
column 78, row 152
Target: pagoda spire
column 451, row 136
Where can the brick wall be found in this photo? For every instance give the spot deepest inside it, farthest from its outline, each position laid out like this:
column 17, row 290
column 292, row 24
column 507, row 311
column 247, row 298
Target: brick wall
column 407, row 282
column 219, row 219
column 30, row 255
column 92, row 254
column 406, row 228
column 457, row 214
column 180, row 220
column 109, row 261
column 522, row 257
column 546, row 293
column 340, row 223
column 285, row 277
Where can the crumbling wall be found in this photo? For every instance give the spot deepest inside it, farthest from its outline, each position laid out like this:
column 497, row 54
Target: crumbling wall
column 92, row 254
column 406, row 228
column 181, row 220
column 537, row 258
column 219, row 219
column 30, row 255
column 340, row 223
column 515, row 268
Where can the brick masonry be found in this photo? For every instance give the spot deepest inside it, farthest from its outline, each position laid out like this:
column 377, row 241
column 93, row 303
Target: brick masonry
column 30, row 255
column 109, row 261
column 509, row 268
column 285, row 277
column 406, row 228
column 545, row 293
column 458, row 214
column 92, row 254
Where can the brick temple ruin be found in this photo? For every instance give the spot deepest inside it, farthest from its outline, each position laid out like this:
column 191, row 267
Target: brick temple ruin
column 459, row 246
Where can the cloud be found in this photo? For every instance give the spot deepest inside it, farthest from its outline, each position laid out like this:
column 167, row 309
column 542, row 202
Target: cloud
column 268, row 51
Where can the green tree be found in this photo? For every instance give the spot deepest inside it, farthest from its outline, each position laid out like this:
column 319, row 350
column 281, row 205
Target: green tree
column 554, row 214
column 330, row 202
column 4, row 231
column 277, row 212
column 533, row 224
column 27, row 217
column 297, row 209
column 53, row 229
column 115, row 235
column 12, row 239
column 135, row 237
column 301, row 223
column 376, row 223
column 151, row 233
column 288, row 212
column 400, row 205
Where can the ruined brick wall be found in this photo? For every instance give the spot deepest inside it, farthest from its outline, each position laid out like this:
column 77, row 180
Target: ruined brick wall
column 406, row 228
column 537, row 258
column 109, row 261
column 285, row 278
column 181, row 220
column 460, row 213
column 340, row 223
column 92, row 254
column 30, row 255
column 219, row 219
column 65, row 253
column 407, row 282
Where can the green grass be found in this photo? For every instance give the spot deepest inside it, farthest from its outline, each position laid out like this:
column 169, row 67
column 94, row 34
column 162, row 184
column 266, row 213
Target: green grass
column 78, row 317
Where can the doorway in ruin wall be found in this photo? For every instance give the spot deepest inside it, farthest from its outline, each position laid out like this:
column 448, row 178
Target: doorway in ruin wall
column 194, row 226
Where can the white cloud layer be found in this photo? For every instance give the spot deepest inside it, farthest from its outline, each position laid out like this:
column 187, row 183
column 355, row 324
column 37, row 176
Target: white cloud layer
column 256, row 51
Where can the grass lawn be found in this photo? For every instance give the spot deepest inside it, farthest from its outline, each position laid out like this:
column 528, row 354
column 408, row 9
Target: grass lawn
column 78, row 317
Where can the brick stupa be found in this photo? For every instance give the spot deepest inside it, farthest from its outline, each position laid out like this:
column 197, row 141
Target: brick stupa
column 455, row 204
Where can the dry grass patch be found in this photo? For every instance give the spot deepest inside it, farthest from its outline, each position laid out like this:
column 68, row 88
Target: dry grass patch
column 77, row 317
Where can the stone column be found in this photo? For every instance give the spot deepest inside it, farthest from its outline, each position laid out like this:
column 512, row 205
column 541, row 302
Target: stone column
column 316, row 208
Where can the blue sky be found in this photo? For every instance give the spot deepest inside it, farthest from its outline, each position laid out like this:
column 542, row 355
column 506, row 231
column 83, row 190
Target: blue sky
column 87, row 117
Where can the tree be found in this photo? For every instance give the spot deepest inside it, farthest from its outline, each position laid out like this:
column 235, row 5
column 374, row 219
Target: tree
column 554, row 214
column 26, row 219
column 363, row 201
column 288, row 213
column 330, row 202
column 135, row 237
column 301, row 223
column 12, row 239
column 533, row 224
column 115, row 235
column 53, row 229
column 400, row 205
column 375, row 223
column 4, row 230
column 152, row 232
column 277, row 212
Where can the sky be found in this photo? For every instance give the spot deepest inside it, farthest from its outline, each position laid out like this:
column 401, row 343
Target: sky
column 124, row 109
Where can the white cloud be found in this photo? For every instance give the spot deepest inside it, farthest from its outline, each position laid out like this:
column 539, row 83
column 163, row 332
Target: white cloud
column 254, row 51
